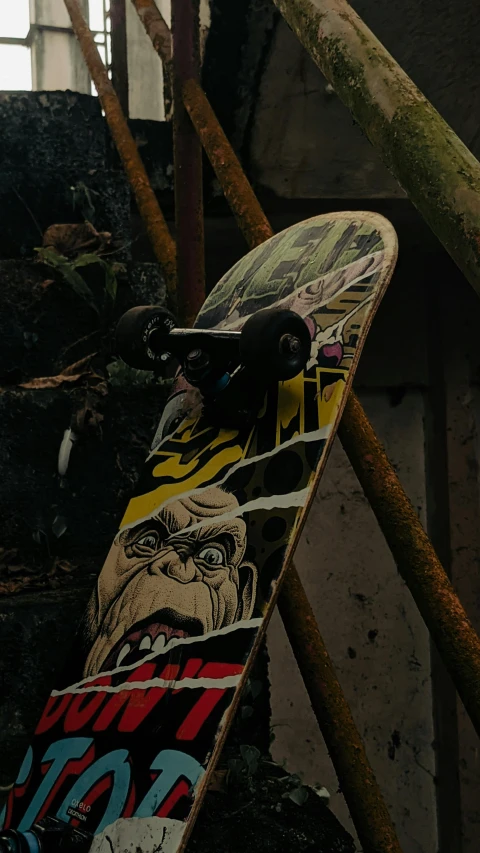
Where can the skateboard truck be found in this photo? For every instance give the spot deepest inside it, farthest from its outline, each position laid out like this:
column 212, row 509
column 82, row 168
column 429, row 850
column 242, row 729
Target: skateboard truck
column 232, row 370
column 49, row 835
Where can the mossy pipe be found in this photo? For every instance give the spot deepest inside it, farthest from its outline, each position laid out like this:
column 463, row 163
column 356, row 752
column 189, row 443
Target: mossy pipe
column 436, row 170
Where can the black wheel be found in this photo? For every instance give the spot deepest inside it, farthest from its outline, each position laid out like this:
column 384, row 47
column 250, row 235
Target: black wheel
column 140, row 336
column 275, row 344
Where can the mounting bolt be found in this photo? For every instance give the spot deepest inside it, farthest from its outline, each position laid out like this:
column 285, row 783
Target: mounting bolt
column 289, row 344
column 196, row 362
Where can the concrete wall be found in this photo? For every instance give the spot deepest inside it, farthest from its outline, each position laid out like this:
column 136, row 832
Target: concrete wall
column 374, row 634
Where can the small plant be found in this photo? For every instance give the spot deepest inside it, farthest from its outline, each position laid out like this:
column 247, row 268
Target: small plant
column 82, row 200
column 69, row 271
column 121, row 374
column 247, row 765
column 297, row 792
column 252, row 690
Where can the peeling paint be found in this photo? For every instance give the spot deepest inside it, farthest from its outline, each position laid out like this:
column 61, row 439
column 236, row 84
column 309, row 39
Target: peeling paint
column 238, row 192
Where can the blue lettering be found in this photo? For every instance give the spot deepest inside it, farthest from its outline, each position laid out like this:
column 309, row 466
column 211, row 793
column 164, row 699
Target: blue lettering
column 173, row 765
column 115, row 763
column 59, row 753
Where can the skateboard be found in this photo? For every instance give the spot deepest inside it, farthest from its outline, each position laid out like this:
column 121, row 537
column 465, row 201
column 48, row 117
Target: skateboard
column 125, row 747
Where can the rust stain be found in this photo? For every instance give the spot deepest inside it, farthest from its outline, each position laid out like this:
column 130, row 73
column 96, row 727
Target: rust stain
column 245, row 206
column 157, row 28
column 357, row 779
column 417, row 562
column 149, row 209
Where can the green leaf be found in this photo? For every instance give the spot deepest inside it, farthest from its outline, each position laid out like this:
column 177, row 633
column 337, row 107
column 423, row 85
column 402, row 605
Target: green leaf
column 235, row 765
column 78, row 285
column 251, row 756
column 110, row 281
column 66, row 269
column 298, row 795
column 86, row 259
column 256, row 688
column 52, row 258
column 246, row 711
column 110, row 277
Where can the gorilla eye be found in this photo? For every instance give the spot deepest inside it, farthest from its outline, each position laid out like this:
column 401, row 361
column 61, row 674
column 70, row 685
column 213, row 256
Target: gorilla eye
column 149, row 540
column 212, row 556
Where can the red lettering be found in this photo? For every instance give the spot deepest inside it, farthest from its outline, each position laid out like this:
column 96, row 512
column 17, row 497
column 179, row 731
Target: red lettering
column 191, row 668
column 181, row 790
column 131, row 802
column 74, row 768
column 96, row 792
column 208, row 700
column 84, row 706
column 138, row 701
column 220, row 670
column 54, row 709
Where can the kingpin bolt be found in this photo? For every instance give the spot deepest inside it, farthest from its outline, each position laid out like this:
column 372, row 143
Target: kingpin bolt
column 196, row 363
column 289, row 344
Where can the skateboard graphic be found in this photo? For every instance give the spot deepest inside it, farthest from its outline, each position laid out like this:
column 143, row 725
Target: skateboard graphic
column 121, row 757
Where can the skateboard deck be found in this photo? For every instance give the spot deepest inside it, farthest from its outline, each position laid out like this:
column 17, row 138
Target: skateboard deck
column 131, row 733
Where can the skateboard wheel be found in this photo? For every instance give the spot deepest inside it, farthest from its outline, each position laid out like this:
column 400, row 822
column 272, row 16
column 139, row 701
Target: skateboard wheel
column 140, row 335
column 275, row 343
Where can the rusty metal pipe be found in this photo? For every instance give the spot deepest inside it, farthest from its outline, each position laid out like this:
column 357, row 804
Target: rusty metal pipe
column 359, row 786
column 157, row 229
column 243, row 202
column 159, row 32
column 118, row 18
column 156, row 27
column 418, row 564
column 188, row 164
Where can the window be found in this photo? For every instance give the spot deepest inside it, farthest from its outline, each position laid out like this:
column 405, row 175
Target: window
column 17, row 33
column 15, row 65
column 99, row 19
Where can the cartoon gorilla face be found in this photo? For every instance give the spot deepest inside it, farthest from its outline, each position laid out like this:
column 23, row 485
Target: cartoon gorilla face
column 163, row 579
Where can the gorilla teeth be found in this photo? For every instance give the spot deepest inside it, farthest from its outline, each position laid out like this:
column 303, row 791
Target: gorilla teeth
column 146, row 643
column 123, row 653
column 159, row 643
